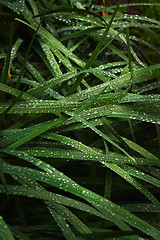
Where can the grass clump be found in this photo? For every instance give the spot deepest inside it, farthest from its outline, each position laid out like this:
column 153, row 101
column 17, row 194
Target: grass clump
column 79, row 123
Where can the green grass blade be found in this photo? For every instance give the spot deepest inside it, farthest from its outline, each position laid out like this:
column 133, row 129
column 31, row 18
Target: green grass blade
column 49, row 196
column 15, row 48
column 57, row 144
column 126, row 175
column 38, row 106
column 112, row 235
column 32, row 70
column 52, row 61
column 117, row 169
column 66, row 230
column 141, row 175
column 140, row 149
column 70, row 217
column 81, row 33
column 129, row 52
column 91, row 197
column 2, row 177
column 70, row 142
column 26, row 57
column 18, row 234
column 4, row 75
column 9, row 108
column 99, row 133
column 94, row 54
column 77, row 155
column 37, row 91
column 71, row 10
column 140, row 76
column 38, row 132
column 4, row 231
column 15, row 92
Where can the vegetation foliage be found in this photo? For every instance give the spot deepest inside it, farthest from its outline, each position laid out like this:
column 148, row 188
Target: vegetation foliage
column 80, row 115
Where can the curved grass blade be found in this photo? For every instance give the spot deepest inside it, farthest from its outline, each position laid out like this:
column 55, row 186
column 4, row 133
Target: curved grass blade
column 142, row 175
column 106, row 234
column 38, row 131
column 126, row 175
column 66, row 230
column 56, row 46
column 37, row 91
column 79, row 118
column 4, row 74
column 18, row 234
column 2, row 177
column 49, row 196
column 15, row 92
column 52, row 61
column 73, row 155
column 71, row 10
column 101, row 203
column 64, row 178
column 70, row 142
column 120, row 171
column 26, row 57
column 9, row 108
column 140, row 75
column 141, row 98
column 4, row 231
column 94, row 53
column 38, row 106
column 81, row 33
column 62, row 119
column 69, row 217
column 140, row 150
column 135, row 4
column 15, row 48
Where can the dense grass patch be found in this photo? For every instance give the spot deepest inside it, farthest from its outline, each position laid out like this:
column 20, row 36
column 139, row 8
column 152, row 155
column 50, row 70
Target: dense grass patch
column 80, row 116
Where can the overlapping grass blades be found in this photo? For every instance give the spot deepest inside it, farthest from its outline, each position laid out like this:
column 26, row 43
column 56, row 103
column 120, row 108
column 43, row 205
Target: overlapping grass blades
column 69, row 129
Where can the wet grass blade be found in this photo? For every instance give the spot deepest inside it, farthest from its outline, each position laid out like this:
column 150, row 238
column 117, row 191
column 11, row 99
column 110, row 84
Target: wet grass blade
column 39, row 131
column 71, row 10
column 66, row 230
column 137, row 148
column 18, row 234
column 99, row 133
column 57, row 143
column 94, row 54
column 4, row 74
column 44, row 195
column 129, row 52
column 111, row 234
column 69, row 217
column 81, row 33
column 26, row 57
column 126, row 175
column 11, row 105
column 4, row 231
column 2, row 177
column 15, row 92
column 89, row 196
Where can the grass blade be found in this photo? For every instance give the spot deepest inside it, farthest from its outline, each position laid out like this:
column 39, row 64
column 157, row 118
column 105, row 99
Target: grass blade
column 94, row 54
column 4, row 231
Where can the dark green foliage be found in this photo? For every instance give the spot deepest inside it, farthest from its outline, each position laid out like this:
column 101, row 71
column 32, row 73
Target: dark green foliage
column 80, row 115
